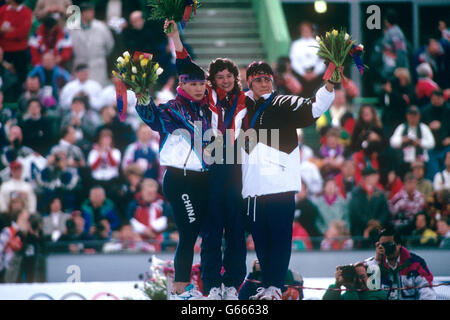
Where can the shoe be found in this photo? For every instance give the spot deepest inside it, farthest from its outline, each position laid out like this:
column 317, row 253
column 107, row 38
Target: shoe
column 190, row 294
column 259, row 294
column 272, row 293
column 215, row 294
column 229, row 293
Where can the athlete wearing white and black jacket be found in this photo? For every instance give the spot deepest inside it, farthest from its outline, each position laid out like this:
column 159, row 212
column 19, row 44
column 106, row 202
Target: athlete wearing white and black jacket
column 271, row 170
column 267, row 169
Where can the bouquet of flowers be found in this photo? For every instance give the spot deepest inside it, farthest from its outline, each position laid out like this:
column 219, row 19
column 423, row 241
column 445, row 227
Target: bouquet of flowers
column 136, row 73
column 178, row 10
column 157, row 282
column 335, row 48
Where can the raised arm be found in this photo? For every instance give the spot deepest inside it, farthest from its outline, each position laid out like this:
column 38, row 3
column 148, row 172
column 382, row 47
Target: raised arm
column 150, row 113
column 302, row 112
column 174, row 35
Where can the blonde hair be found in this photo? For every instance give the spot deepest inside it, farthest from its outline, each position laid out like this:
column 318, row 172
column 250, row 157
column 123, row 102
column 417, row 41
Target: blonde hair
column 403, row 73
column 149, row 183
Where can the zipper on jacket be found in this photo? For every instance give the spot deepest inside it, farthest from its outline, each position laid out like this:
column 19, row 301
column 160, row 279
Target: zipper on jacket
column 185, row 162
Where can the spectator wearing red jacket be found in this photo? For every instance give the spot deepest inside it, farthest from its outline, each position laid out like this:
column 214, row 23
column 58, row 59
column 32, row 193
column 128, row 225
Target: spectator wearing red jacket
column 15, row 26
column 104, row 161
column 147, row 213
column 425, row 84
column 49, row 36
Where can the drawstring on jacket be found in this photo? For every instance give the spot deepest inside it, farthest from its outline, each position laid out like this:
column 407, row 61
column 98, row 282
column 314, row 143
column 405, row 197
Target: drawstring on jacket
column 254, row 207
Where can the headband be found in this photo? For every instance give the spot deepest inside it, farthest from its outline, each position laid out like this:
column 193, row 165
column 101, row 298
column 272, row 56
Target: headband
column 258, row 76
column 184, row 78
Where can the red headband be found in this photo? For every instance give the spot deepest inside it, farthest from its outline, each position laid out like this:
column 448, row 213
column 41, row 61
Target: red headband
column 258, row 76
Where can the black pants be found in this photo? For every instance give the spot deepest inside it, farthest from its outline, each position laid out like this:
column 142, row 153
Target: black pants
column 187, row 195
column 225, row 219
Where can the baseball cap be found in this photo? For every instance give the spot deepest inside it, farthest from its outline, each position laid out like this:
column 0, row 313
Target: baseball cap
column 413, row 109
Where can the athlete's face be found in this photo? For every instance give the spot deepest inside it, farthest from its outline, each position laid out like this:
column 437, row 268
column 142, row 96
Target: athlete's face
column 261, row 86
column 195, row 89
column 224, row 80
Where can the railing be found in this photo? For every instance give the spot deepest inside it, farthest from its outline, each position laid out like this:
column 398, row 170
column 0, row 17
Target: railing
column 116, row 246
column 273, row 28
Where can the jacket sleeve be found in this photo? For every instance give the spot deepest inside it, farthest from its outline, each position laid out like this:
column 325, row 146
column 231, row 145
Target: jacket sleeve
column 303, row 112
column 427, row 142
column 151, row 116
column 332, row 294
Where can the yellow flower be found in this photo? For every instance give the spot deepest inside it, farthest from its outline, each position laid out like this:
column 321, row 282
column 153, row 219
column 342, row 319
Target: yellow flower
column 127, row 59
column 133, row 78
column 156, row 66
column 144, row 75
column 126, row 54
column 144, row 62
column 141, row 57
column 334, row 32
column 327, row 34
column 114, row 73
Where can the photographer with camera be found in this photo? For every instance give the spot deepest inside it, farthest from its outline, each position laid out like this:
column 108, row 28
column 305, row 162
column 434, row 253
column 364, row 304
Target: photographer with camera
column 354, row 278
column 401, row 268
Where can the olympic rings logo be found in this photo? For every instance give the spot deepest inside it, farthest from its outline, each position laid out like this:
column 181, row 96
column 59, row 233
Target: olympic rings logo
column 72, row 296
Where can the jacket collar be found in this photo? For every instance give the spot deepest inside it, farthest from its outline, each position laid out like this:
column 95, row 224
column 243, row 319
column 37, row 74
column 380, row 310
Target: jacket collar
column 251, row 95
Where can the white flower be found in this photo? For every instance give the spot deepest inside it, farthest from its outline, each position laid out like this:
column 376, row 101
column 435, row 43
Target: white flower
column 317, row 38
column 134, row 70
column 347, row 36
column 361, row 46
column 159, row 71
column 126, row 54
column 120, row 60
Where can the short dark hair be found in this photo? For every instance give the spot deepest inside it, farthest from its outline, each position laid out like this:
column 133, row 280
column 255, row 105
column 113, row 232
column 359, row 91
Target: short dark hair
column 81, row 66
column 65, row 130
column 259, row 67
column 391, row 16
column 390, row 231
column 30, row 101
column 409, row 176
column 221, row 64
column 83, row 99
column 422, row 213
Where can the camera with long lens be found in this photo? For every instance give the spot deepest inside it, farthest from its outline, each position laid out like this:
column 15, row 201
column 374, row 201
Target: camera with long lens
column 348, row 273
column 389, row 248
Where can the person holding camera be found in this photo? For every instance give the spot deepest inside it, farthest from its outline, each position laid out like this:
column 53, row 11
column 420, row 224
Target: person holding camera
column 412, row 139
column 401, row 268
column 354, row 278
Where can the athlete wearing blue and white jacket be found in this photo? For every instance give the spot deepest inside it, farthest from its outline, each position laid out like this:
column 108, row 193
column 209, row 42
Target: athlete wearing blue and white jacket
column 225, row 219
column 181, row 124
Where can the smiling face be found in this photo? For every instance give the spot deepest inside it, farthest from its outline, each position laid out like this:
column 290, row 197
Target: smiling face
column 195, row 89
column 224, row 80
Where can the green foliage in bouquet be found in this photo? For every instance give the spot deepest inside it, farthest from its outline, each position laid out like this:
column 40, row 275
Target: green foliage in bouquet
column 138, row 73
column 156, row 288
column 170, row 9
column 336, row 47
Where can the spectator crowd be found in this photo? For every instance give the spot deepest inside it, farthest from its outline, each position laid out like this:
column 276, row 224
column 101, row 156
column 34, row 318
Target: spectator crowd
column 73, row 178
